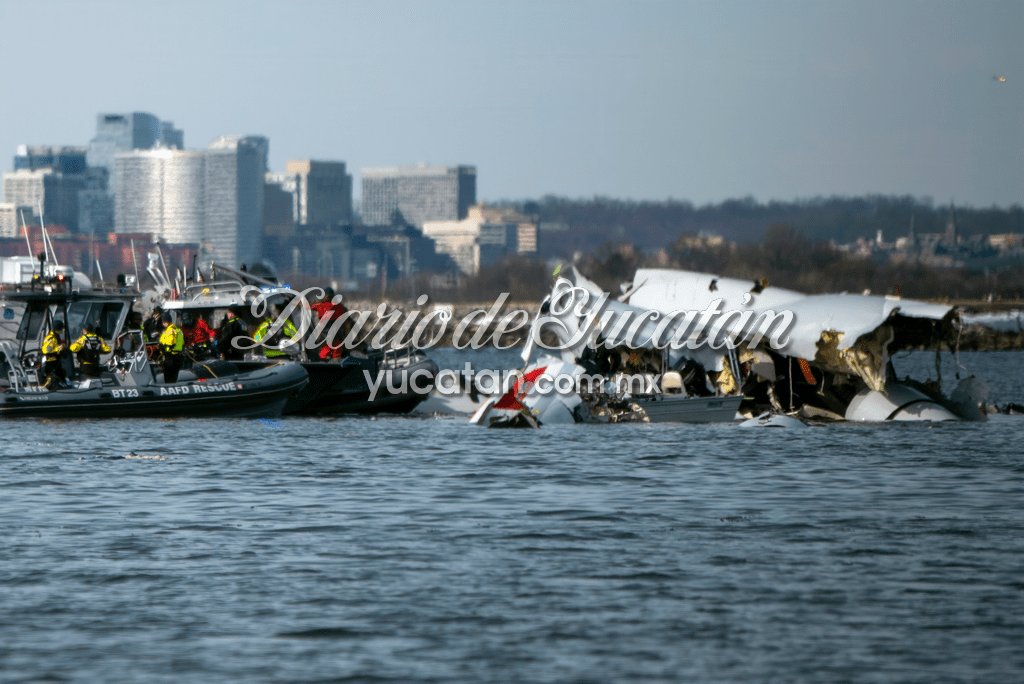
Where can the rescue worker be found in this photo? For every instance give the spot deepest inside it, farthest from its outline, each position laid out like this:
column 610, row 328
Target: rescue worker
column 327, row 310
column 272, row 341
column 152, row 329
column 88, row 347
column 172, row 341
column 230, row 329
column 53, row 350
column 197, row 336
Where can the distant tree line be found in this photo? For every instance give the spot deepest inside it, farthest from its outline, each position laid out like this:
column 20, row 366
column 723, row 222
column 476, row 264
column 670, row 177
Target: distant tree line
column 791, row 244
column 787, row 258
column 652, row 225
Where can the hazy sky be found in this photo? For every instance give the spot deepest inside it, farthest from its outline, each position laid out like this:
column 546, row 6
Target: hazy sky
column 698, row 101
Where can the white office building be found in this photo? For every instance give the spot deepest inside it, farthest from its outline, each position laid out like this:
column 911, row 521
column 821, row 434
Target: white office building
column 161, row 192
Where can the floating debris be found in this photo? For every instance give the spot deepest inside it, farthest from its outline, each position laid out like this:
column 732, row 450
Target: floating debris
column 681, row 346
column 145, row 457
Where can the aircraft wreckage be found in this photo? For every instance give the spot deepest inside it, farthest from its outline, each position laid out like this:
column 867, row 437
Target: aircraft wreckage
column 694, row 347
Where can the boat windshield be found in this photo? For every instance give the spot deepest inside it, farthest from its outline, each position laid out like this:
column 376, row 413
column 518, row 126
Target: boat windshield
column 104, row 314
column 35, row 314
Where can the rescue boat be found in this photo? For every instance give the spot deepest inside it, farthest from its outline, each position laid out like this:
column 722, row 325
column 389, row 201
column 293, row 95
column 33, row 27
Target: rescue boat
column 129, row 385
column 132, row 388
column 371, row 382
column 381, row 382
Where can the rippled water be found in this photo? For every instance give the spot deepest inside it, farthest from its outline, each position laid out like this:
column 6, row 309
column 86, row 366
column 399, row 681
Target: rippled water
column 418, row 549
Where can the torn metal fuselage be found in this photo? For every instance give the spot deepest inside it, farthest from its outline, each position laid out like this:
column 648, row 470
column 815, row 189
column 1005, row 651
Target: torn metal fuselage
column 590, row 359
column 833, row 359
column 700, row 336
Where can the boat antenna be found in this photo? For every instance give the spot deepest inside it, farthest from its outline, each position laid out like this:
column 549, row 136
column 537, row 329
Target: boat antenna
column 28, row 243
column 135, row 263
column 46, row 239
column 103, row 287
column 92, row 242
column 46, row 236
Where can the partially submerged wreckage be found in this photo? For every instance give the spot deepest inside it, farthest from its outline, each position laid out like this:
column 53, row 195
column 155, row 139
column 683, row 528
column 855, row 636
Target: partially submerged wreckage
column 693, row 347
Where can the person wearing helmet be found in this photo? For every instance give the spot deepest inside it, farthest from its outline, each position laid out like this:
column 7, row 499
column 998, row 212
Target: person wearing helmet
column 271, row 341
column 197, row 336
column 53, row 349
column 88, row 347
column 172, row 341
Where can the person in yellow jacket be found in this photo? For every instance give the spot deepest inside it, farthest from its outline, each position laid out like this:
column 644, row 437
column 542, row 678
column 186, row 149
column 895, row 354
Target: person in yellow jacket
column 172, row 341
column 88, row 347
column 271, row 342
column 53, row 349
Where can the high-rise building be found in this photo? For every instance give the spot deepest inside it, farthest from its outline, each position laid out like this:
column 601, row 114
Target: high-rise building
column 95, row 204
column 171, row 137
column 236, row 170
column 121, row 133
column 126, row 132
column 161, row 192
column 25, row 188
column 418, row 193
column 213, row 197
column 12, row 217
column 486, row 235
column 459, row 240
column 323, row 192
column 520, row 230
column 279, row 205
column 61, row 158
column 51, row 176
column 56, row 193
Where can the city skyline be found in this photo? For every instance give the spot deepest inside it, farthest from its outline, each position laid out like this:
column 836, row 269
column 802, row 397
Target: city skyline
column 694, row 101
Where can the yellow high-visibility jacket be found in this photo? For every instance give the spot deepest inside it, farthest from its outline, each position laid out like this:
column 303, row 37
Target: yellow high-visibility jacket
column 78, row 344
column 288, row 329
column 52, row 346
column 172, row 339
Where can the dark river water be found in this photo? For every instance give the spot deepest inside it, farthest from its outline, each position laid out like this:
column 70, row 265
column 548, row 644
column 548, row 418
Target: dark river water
column 427, row 550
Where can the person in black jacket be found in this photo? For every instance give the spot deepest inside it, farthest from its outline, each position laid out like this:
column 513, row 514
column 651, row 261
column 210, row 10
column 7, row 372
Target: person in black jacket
column 231, row 328
column 152, row 329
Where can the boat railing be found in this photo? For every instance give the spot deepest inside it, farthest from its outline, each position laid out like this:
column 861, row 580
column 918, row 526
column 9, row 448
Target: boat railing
column 200, row 291
column 394, row 356
column 125, row 363
column 21, row 379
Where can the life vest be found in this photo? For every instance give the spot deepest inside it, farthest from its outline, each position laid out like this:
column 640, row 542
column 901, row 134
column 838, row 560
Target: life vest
column 89, row 347
column 288, row 329
column 172, row 339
